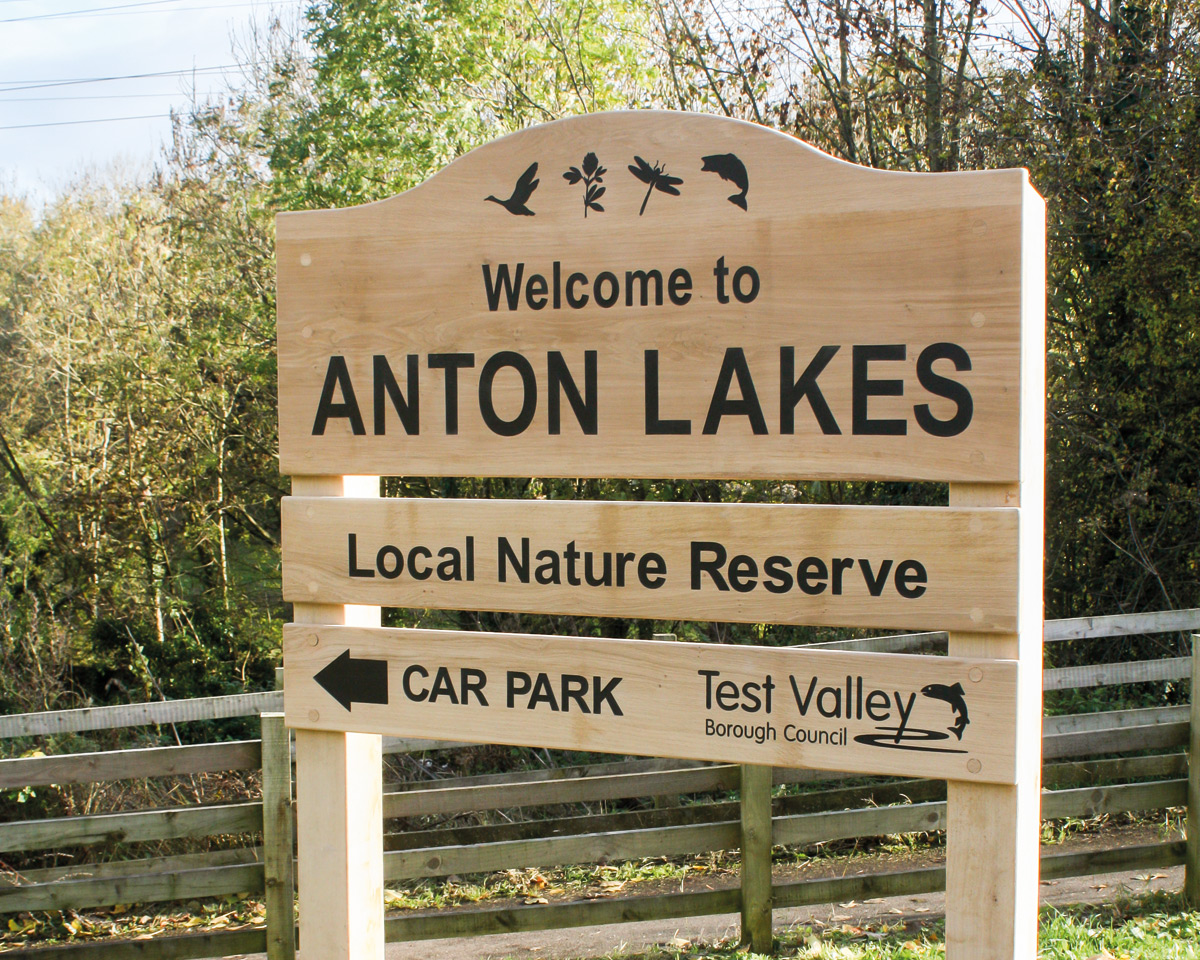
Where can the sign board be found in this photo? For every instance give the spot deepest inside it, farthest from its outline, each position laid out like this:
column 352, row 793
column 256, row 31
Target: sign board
column 871, row 713
column 650, row 294
column 893, row 567
column 729, row 303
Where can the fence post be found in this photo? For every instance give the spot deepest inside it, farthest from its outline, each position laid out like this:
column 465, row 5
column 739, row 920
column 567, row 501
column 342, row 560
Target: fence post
column 277, row 838
column 756, row 857
column 1191, row 877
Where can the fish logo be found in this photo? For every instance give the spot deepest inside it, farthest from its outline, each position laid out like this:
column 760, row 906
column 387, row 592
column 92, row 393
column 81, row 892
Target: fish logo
column 953, row 695
column 727, row 166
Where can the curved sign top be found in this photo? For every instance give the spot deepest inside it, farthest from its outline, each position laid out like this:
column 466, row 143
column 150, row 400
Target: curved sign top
column 661, row 295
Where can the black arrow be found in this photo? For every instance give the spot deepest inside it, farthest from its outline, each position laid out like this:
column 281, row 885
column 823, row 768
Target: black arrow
column 349, row 681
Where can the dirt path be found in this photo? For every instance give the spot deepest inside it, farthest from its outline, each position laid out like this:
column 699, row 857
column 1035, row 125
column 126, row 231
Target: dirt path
column 632, row 937
column 598, row 941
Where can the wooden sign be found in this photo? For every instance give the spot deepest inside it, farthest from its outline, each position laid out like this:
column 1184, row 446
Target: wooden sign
column 649, row 294
column 903, row 567
column 871, row 713
column 657, row 294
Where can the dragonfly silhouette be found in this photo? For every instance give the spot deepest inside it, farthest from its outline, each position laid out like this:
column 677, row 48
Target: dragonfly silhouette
column 656, row 177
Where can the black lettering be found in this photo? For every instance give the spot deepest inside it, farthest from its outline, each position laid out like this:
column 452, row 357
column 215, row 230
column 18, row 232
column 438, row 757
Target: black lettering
column 722, row 406
column 777, row 568
column 546, row 571
column 516, row 683
column 586, row 410
column 720, row 271
column 655, row 426
column 864, row 388
column 811, row 575
column 651, row 571
column 397, row 567
column 424, row 573
column 751, row 274
column 711, row 567
column 875, row 581
column 572, row 282
column 473, row 681
column 415, row 670
column 611, row 279
column 542, row 693
column 337, row 376
column 645, row 276
column 442, row 687
column 451, row 566
column 791, row 391
column 487, row 378
column 803, row 702
column 355, row 569
column 679, row 287
column 604, row 694
column 505, row 556
column 743, row 573
column 451, row 363
column 911, row 578
column 511, row 286
column 605, row 579
column 840, row 564
column 573, row 688
column 386, row 388
column 535, row 292
column 941, row 386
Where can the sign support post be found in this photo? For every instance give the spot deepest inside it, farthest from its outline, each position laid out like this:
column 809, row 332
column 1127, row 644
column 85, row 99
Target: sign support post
column 993, row 830
column 339, row 799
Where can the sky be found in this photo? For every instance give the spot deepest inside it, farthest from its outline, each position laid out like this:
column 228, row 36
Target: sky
column 60, row 120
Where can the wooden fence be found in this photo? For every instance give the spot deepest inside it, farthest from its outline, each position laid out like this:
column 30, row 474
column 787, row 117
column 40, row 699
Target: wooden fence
column 1086, row 759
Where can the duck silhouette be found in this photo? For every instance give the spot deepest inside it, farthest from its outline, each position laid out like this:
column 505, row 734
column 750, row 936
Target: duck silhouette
column 521, row 193
column 727, row 166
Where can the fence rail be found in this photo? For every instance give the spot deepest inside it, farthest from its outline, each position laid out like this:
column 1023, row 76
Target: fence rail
column 1085, row 758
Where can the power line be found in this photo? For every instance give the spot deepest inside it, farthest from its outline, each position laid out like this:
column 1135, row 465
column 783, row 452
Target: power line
column 122, row 12
column 37, row 85
column 106, row 96
column 75, row 13
column 72, row 123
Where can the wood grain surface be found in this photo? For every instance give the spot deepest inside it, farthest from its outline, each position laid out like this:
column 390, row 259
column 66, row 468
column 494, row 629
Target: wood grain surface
column 885, row 287
column 699, row 701
column 901, row 567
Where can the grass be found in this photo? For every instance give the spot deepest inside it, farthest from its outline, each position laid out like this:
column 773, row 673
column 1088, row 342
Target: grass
column 1153, row 927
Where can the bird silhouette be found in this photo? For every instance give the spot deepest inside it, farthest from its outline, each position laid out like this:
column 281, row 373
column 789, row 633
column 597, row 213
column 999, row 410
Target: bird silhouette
column 521, row 193
column 727, row 166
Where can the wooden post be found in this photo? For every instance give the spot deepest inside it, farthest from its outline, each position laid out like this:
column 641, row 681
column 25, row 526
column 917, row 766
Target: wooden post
column 756, row 857
column 339, row 799
column 278, row 838
column 992, row 831
column 1191, row 876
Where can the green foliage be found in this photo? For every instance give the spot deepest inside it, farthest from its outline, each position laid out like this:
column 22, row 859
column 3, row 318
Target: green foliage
column 399, row 90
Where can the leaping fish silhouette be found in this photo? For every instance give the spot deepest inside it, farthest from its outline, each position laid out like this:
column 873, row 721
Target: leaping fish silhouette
column 953, row 696
column 727, row 166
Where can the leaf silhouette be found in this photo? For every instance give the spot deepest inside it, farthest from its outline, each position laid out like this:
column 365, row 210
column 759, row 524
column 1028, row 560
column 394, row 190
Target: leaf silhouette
column 591, row 175
column 657, row 178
